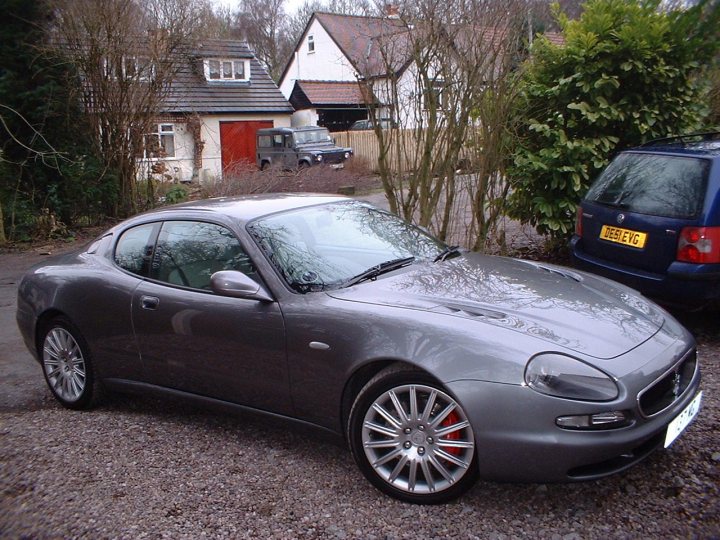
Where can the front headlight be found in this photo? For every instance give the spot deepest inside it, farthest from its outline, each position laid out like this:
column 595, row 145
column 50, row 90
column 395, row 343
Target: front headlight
column 563, row 376
column 347, row 155
column 318, row 157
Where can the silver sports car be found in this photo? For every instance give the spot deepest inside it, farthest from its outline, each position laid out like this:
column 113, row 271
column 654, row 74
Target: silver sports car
column 436, row 365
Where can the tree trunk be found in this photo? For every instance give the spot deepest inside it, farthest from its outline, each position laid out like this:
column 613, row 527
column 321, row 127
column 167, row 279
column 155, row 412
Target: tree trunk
column 3, row 238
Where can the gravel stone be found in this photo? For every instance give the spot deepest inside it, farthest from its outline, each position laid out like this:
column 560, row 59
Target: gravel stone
column 139, row 467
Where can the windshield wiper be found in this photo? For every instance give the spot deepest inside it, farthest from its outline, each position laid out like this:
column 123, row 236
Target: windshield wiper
column 374, row 271
column 447, row 252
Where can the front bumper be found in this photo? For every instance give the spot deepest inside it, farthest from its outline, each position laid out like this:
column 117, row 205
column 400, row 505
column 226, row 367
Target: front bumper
column 517, row 438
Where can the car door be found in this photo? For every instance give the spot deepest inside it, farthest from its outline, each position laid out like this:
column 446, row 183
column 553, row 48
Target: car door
column 196, row 341
column 290, row 154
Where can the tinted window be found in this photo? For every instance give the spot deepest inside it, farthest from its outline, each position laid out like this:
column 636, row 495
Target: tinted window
column 189, row 252
column 264, row 141
column 323, row 246
column 313, row 136
column 134, row 248
column 667, row 186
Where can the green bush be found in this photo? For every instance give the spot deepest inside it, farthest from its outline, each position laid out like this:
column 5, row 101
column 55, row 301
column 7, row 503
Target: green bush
column 176, row 194
column 627, row 72
column 48, row 154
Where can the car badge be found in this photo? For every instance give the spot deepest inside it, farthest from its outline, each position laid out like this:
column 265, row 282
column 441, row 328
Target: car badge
column 620, row 218
column 676, row 384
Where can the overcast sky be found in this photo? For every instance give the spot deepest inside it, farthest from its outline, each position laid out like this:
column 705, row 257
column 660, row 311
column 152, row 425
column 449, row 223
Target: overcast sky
column 291, row 6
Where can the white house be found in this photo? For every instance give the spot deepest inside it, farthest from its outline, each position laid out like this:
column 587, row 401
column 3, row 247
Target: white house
column 342, row 63
column 321, row 78
column 217, row 102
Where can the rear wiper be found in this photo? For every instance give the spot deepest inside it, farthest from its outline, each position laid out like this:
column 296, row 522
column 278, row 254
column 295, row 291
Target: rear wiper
column 620, row 200
column 374, row 271
column 447, row 252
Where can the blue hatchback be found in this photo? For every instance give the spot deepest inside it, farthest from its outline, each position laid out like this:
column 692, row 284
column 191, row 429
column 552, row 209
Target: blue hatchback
column 652, row 221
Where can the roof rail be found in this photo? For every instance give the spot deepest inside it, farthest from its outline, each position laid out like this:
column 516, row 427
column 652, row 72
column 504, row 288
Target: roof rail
column 684, row 139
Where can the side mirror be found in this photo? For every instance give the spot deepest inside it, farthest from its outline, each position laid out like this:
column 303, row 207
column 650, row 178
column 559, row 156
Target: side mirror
column 238, row 285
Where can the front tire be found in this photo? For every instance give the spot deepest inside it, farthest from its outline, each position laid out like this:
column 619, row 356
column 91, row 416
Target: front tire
column 67, row 365
column 411, row 439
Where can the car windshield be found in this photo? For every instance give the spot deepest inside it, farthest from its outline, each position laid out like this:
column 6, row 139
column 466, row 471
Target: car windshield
column 659, row 185
column 325, row 247
column 313, row 136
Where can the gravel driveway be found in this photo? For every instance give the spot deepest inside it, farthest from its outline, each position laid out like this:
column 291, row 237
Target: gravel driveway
column 144, row 467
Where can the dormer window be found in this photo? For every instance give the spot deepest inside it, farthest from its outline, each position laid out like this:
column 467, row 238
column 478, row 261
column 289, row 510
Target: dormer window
column 138, row 68
column 223, row 69
column 311, row 43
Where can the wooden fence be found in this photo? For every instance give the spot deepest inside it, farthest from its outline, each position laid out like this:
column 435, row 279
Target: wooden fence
column 404, row 148
column 366, row 147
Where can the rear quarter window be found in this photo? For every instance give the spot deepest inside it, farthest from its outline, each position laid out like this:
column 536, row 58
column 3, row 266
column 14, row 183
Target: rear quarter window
column 658, row 185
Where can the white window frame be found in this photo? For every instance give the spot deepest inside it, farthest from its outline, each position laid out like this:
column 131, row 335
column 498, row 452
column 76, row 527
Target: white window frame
column 311, row 44
column 239, row 69
column 164, row 132
column 144, row 62
column 437, row 88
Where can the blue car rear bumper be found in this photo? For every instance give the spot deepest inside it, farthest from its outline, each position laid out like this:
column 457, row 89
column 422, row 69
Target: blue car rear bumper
column 690, row 285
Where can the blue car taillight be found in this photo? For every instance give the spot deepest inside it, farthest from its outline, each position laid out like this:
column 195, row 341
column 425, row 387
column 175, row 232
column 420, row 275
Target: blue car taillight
column 699, row 245
column 578, row 221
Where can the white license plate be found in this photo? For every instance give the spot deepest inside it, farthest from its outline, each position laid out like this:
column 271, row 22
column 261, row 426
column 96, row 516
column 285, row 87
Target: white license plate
column 337, row 166
column 682, row 420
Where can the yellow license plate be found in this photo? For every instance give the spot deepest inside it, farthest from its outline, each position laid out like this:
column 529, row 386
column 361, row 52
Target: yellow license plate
column 623, row 236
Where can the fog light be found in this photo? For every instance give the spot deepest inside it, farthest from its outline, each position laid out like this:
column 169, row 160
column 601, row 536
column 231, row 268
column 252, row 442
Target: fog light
column 604, row 420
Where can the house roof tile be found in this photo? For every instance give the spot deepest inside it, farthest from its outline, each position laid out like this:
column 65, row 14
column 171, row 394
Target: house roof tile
column 358, row 37
column 331, row 92
column 190, row 92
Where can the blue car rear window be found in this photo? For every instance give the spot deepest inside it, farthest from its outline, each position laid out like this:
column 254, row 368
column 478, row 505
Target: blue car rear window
column 659, row 185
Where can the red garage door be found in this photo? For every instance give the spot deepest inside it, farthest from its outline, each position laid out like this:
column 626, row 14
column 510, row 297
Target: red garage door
column 237, row 143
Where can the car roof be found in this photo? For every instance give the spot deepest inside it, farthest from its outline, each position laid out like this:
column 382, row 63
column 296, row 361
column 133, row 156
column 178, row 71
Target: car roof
column 242, row 209
column 701, row 144
column 265, row 131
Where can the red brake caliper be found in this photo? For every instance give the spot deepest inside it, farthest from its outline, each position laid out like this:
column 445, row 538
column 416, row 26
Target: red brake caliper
column 451, row 419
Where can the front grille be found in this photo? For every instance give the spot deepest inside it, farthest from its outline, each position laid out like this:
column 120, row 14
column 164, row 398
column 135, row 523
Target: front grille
column 333, row 157
column 662, row 393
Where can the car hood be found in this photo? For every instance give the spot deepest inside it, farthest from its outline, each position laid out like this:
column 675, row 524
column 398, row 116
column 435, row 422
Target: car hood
column 320, row 147
column 566, row 308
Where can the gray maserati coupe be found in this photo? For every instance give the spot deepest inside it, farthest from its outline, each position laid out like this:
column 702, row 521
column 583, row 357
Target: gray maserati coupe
column 435, row 364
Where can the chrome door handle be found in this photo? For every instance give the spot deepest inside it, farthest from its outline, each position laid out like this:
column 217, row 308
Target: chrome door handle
column 149, row 302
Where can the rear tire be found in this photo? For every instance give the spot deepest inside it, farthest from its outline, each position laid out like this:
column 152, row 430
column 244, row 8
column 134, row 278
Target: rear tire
column 67, row 365
column 411, row 439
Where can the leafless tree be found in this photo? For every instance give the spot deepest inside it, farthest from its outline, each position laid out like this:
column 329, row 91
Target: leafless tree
column 264, row 24
column 217, row 22
column 446, row 72
column 127, row 52
column 272, row 31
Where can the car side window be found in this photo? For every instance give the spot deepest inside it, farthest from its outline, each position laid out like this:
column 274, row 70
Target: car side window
column 134, row 248
column 189, row 252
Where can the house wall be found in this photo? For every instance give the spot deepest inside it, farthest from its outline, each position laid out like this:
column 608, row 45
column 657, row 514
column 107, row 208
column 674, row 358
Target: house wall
column 212, row 162
column 405, row 105
column 306, row 117
column 181, row 167
column 327, row 63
